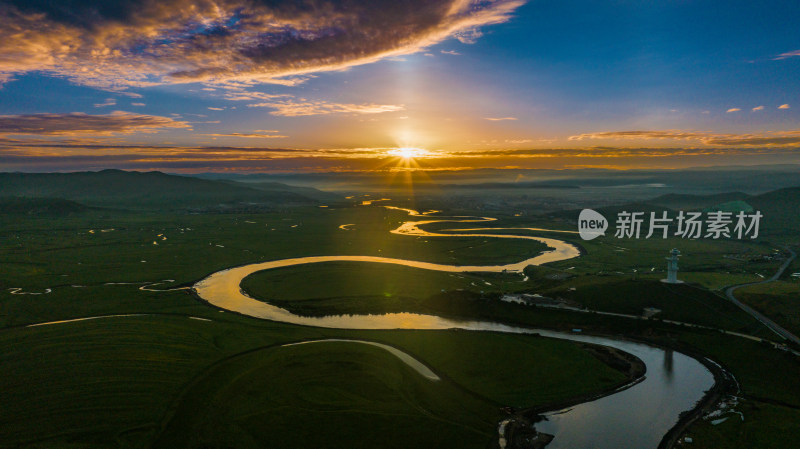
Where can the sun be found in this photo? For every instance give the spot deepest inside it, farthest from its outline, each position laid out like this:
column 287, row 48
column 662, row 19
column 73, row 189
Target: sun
column 408, row 152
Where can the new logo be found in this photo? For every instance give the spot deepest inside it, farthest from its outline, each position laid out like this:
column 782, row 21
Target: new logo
column 591, row 224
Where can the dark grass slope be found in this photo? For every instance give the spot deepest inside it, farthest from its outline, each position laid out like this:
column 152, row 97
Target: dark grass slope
column 687, row 201
column 780, row 208
column 272, row 186
column 14, row 205
column 142, row 190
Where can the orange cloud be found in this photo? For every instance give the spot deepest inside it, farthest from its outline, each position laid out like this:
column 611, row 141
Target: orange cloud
column 785, row 138
column 78, row 123
column 123, row 44
column 787, row 55
column 289, row 107
column 43, row 155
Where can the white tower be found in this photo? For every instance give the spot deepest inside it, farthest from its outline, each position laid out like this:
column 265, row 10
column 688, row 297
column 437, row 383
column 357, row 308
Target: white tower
column 672, row 267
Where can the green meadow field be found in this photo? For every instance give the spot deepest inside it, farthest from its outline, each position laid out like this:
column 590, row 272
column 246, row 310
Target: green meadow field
column 163, row 369
column 261, row 224
column 126, row 377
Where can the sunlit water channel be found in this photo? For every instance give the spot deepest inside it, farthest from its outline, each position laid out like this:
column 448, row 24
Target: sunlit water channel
column 636, row 417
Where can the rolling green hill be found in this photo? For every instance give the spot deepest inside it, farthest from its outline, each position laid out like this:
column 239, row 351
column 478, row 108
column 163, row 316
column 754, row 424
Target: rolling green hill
column 271, row 186
column 680, row 201
column 14, row 205
column 781, row 209
column 146, row 190
column 610, row 212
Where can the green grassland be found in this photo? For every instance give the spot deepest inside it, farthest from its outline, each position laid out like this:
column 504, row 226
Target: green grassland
column 141, row 248
column 115, row 382
column 112, row 382
column 764, row 425
column 731, row 257
column 780, row 300
column 711, row 263
column 349, row 395
column 350, row 287
column 770, row 395
column 337, row 395
column 357, row 287
column 768, row 375
column 118, row 381
column 677, row 302
column 463, row 357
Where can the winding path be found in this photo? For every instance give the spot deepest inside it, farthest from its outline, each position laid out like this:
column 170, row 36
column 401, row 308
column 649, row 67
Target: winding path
column 773, row 326
column 422, row 369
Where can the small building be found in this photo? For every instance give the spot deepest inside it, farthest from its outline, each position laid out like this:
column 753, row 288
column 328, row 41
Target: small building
column 672, row 267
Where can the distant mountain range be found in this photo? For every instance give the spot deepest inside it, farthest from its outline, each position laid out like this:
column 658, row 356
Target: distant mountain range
column 153, row 191
column 780, row 208
column 686, row 201
column 271, row 186
column 67, row 193
column 751, row 179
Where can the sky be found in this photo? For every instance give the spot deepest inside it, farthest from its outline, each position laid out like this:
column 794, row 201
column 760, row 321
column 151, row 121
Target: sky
column 317, row 85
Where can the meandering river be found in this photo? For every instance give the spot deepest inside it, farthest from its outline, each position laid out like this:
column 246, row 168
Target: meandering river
column 633, row 418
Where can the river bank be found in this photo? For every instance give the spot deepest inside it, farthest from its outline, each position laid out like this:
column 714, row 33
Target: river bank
column 518, row 430
column 623, row 418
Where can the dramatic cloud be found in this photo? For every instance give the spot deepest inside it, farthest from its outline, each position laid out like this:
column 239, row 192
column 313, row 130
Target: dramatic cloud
column 115, row 45
column 498, row 119
column 95, row 153
column 758, row 108
column 40, row 154
column 733, row 110
column 81, row 124
column 291, row 107
column 450, row 52
column 783, row 106
column 786, row 138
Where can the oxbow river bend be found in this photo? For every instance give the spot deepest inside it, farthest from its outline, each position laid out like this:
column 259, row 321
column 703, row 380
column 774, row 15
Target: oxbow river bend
column 636, row 417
